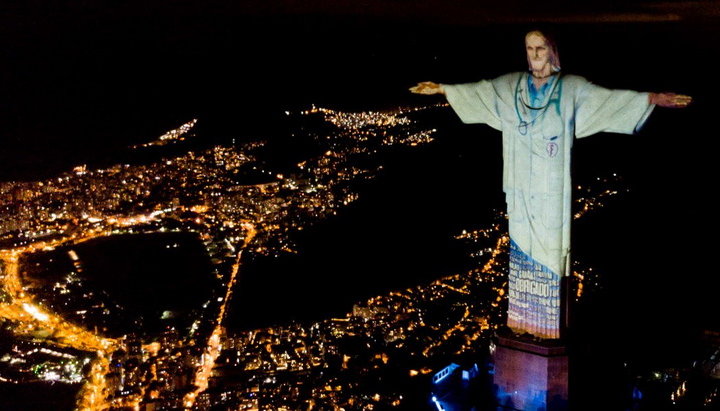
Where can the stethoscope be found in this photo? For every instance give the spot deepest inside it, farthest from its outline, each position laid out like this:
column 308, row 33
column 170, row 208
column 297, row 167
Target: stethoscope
column 522, row 124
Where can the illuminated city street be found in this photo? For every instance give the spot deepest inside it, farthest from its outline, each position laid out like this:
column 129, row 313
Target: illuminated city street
column 203, row 197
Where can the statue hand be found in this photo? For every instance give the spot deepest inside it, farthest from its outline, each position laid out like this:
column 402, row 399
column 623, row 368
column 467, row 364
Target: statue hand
column 670, row 100
column 427, row 88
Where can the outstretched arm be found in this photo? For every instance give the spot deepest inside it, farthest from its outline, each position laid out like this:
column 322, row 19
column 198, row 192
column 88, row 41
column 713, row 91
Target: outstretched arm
column 474, row 102
column 598, row 109
column 670, row 100
column 428, row 88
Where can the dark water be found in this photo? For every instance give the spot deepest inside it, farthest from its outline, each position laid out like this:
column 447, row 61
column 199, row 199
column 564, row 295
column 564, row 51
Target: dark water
column 38, row 396
column 81, row 90
column 148, row 282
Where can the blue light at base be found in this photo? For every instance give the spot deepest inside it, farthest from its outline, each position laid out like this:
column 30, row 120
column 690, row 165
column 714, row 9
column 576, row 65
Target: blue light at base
column 444, row 373
column 454, row 388
column 437, row 404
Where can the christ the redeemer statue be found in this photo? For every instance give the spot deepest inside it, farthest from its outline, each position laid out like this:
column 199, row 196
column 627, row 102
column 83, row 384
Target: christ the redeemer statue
column 540, row 112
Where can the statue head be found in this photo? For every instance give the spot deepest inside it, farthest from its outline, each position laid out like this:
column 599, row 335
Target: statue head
column 542, row 53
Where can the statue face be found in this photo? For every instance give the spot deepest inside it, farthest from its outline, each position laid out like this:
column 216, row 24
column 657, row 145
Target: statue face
column 538, row 52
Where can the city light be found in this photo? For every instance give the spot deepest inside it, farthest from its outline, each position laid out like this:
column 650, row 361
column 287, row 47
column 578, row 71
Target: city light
column 206, row 192
column 35, row 312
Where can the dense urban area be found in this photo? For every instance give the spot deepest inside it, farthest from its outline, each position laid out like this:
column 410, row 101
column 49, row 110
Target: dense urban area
column 382, row 354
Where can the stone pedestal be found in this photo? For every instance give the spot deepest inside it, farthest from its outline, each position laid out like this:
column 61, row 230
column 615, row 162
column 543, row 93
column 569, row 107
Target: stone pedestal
column 530, row 375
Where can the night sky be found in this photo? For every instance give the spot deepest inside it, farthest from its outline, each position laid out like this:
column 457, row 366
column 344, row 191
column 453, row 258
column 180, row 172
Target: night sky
column 69, row 69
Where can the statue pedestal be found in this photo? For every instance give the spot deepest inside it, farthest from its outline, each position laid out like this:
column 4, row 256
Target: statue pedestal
column 530, row 375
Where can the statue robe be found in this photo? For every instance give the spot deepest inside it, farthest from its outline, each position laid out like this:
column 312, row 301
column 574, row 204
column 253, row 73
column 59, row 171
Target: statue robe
column 537, row 144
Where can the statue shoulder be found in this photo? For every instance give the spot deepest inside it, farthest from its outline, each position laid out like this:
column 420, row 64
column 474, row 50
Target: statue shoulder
column 509, row 78
column 574, row 80
column 507, row 81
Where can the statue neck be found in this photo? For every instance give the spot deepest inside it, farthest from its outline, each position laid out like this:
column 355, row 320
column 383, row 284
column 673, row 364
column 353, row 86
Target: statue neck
column 540, row 77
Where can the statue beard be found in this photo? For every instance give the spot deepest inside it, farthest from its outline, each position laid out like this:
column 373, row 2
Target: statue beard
column 544, row 67
column 541, row 69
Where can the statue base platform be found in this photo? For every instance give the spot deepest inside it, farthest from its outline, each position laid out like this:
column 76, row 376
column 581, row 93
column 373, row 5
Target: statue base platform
column 530, row 374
